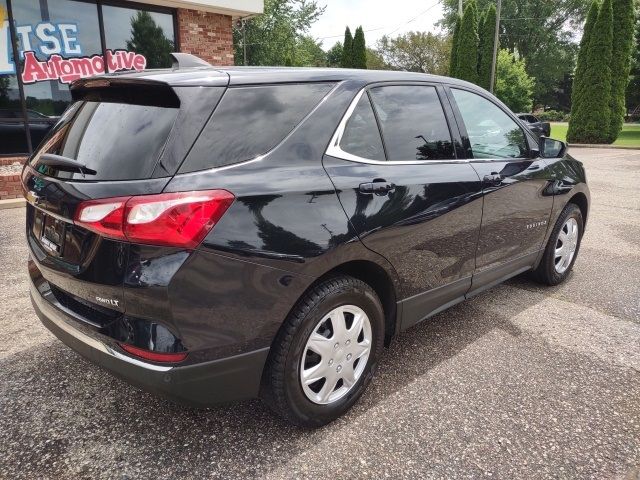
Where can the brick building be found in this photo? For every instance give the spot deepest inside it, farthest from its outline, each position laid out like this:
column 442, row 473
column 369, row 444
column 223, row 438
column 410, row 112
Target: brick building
column 58, row 41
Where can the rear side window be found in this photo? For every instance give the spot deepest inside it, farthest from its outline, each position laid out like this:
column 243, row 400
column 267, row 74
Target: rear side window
column 250, row 121
column 120, row 141
column 413, row 123
column 361, row 136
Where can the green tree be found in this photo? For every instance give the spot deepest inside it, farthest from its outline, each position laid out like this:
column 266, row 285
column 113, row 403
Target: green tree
column 308, row 53
column 633, row 89
column 273, row 37
column 541, row 32
column 590, row 120
column 467, row 53
column 359, row 51
column 514, row 86
column 453, row 63
column 417, row 52
column 347, row 50
column 487, row 37
column 334, row 55
column 623, row 23
column 147, row 38
column 375, row 60
column 577, row 92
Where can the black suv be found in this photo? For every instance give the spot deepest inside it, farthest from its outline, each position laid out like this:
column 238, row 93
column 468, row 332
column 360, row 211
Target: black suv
column 220, row 234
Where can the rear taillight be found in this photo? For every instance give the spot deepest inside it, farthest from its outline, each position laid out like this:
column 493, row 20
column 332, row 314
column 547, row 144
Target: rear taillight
column 154, row 356
column 179, row 219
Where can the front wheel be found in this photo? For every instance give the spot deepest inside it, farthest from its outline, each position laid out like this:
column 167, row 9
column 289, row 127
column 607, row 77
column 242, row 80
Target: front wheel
column 563, row 246
column 326, row 352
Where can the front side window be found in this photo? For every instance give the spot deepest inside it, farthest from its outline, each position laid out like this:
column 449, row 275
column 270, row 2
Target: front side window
column 492, row 133
column 361, row 136
column 413, row 123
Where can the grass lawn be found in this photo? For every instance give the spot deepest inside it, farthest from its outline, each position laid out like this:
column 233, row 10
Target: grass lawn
column 629, row 137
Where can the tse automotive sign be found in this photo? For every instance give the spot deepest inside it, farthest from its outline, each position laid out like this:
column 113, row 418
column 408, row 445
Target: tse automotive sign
column 58, row 43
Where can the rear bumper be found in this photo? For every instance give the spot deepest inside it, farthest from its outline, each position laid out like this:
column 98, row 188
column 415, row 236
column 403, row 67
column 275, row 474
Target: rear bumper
column 203, row 384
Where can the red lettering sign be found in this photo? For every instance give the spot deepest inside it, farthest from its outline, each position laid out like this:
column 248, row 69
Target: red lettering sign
column 66, row 70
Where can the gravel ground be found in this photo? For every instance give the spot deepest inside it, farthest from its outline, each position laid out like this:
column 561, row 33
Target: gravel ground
column 520, row 382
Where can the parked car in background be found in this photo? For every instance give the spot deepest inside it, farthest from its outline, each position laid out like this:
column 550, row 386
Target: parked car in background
column 535, row 125
column 12, row 133
column 215, row 234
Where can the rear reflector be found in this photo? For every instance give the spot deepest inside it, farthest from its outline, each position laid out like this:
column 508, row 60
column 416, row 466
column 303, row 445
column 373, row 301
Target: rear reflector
column 154, row 356
column 180, row 219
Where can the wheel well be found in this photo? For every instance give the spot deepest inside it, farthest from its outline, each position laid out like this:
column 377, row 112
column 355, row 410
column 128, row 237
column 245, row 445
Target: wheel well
column 580, row 199
column 378, row 279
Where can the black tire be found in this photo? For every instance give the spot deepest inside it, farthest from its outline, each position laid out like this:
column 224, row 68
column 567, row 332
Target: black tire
column 283, row 391
column 546, row 272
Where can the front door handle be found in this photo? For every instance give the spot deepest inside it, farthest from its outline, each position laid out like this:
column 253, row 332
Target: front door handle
column 379, row 187
column 493, row 180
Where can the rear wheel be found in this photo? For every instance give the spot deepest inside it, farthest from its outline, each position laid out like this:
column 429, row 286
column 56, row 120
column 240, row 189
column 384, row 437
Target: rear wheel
column 326, row 352
column 562, row 248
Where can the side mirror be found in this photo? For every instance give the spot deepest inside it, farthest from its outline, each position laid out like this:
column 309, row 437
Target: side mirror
column 550, row 148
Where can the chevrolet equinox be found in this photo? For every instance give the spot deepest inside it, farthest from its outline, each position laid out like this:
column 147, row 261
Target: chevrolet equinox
column 216, row 234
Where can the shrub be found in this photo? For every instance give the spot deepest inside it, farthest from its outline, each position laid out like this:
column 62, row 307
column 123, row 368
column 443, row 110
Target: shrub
column 552, row 116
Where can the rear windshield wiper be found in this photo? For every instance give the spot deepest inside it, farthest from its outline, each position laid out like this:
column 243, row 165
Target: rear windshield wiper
column 65, row 164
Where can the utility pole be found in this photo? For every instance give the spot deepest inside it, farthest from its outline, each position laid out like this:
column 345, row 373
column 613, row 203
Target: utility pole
column 244, row 42
column 460, row 7
column 496, row 39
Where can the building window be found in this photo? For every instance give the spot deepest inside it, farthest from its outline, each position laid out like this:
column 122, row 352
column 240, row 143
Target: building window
column 60, row 41
column 150, row 34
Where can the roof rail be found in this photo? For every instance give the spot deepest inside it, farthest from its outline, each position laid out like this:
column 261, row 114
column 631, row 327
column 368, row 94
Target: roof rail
column 187, row 60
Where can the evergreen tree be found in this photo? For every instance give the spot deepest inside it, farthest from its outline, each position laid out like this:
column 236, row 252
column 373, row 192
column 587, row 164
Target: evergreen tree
column 623, row 23
column 347, row 50
column 359, row 50
column 453, row 65
column 467, row 55
column 633, row 89
column 487, row 37
column 592, row 126
column 334, row 55
column 147, row 38
column 578, row 103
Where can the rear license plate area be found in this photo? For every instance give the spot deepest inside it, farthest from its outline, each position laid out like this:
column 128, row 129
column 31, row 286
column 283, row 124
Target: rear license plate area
column 53, row 233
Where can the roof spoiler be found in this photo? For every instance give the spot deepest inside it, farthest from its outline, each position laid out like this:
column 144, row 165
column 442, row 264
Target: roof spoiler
column 187, row 60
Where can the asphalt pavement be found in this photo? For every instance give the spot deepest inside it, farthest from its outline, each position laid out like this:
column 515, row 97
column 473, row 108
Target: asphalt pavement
column 521, row 382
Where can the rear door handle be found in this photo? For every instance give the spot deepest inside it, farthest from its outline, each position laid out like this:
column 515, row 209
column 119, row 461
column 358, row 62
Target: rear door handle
column 379, row 187
column 493, row 180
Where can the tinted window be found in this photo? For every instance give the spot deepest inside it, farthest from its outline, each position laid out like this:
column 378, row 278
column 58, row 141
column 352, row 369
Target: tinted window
column 492, row 133
column 413, row 123
column 250, row 121
column 119, row 141
column 361, row 136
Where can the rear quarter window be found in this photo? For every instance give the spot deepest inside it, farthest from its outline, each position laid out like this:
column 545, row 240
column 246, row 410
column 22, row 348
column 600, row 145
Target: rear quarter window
column 250, row 121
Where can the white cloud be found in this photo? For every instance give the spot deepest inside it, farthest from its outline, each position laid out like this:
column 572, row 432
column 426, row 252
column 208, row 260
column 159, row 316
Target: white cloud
column 377, row 17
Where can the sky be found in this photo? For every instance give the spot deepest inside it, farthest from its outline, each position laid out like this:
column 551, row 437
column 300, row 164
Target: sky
column 376, row 18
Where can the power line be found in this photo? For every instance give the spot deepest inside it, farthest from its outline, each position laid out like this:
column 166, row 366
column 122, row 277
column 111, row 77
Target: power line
column 380, row 28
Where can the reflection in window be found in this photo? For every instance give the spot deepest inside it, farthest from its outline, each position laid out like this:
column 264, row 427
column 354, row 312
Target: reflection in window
column 492, row 133
column 13, row 138
column 413, row 123
column 147, row 33
column 250, row 121
column 361, row 136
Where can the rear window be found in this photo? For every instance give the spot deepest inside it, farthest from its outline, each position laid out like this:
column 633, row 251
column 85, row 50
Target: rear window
column 250, row 121
column 120, row 141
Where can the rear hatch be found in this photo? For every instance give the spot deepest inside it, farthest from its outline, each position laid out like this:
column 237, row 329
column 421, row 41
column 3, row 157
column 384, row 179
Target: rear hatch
column 122, row 137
